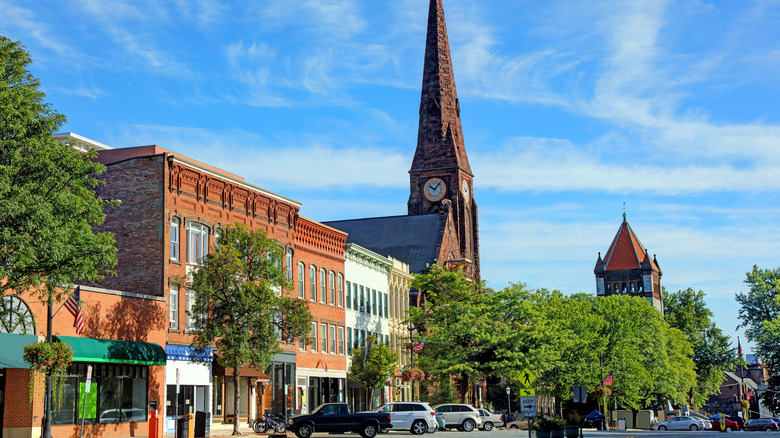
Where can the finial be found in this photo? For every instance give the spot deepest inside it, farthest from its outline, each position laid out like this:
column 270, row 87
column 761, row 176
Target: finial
column 624, row 211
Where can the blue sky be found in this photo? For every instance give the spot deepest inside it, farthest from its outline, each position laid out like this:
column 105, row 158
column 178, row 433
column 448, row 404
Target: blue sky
column 569, row 109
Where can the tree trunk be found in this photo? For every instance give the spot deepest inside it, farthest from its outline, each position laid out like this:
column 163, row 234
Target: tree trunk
column 236, row 395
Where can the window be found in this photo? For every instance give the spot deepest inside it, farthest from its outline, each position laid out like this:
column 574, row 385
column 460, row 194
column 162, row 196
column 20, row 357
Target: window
column 355, row 304
column 322, row 286
column 173, row 308
column 340, row 291
column 387, row 312
column 333, row 343
column 331, row 288
column 289, row 261
column 190, row 317
column 379, row 304
column 302, row 343
column 197, row 242
column 301, row 281
column 313, row 337
column 324, row 337
column 341, row 340
column 313, row 283
column 362, row 299
column 175, row 239
column 349, row 341
column 349, row 295
column 373, row 302
column 217, row 236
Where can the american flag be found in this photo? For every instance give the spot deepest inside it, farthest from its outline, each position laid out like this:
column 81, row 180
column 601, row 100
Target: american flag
column 72, row 304
column 419, row 347
column 608, row 380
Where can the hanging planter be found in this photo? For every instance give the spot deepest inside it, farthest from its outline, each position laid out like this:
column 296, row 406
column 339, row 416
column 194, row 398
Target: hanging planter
column 44, row 359
column 604, row 390
column 410, row 374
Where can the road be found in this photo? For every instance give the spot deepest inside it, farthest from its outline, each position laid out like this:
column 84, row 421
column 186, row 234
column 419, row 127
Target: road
column 588, row 433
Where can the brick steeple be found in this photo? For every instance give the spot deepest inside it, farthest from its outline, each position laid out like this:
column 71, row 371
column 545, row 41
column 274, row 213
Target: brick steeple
column 440, row 136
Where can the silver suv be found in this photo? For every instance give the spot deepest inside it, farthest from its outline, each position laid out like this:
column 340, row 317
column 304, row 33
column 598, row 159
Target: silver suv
column 416, row 417
column 462, row 417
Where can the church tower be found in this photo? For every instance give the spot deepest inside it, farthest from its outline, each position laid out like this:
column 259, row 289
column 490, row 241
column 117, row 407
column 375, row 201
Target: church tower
column 440, row 176
column 627, row 269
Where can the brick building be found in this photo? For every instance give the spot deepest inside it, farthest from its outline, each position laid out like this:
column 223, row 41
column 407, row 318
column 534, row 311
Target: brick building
column 628, row 269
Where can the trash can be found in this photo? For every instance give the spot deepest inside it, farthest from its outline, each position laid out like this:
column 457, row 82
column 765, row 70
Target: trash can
column 183, row 427
column 202, row 424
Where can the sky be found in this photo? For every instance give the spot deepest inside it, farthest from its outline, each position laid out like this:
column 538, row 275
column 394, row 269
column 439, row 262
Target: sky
column 570, row 108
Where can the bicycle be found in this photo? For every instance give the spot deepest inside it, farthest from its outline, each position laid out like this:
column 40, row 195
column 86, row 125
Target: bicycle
column 276, row 422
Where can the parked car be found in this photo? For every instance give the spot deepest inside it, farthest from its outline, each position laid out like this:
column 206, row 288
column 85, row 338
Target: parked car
column 490, row 419
column 336, row 418
column 461, row 417
column 519, row 423
column 762, row 424
column 682, row 422
column 730, row 424
column 416, row 417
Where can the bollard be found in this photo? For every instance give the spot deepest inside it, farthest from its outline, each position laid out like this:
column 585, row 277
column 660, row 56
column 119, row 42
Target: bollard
column 153, row 424
column 190, row 424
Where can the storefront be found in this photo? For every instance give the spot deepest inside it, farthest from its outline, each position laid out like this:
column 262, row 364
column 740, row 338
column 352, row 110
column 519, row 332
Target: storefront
column 254, row 393
column 188, row 385
column 283, row 394
column 317, row 386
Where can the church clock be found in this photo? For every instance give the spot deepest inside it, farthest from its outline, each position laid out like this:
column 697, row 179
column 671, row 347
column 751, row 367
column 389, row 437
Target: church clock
column 435, row 189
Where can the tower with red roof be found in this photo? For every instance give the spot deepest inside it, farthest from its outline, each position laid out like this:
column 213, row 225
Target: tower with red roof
column 627, row 269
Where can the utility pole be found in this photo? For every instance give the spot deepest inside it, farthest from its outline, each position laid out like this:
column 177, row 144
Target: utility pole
column 46, row 432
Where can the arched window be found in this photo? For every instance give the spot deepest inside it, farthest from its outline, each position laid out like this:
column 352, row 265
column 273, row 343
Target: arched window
column 16, row 316
column 289, row 264
column 301, row 281
column 331, row 288
column 312, row 283
column 323, row 298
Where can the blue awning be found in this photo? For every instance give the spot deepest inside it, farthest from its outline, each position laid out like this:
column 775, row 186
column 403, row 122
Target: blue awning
column 183, row 352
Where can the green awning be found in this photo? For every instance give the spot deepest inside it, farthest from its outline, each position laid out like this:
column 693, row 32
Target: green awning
column 12, row 350
column 113, row 351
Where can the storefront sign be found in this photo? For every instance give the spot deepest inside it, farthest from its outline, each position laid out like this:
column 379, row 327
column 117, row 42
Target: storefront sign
column 89, row 409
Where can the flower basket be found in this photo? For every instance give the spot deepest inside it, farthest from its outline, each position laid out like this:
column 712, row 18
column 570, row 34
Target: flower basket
column 410, row 374
column 43, row 357
column 604, row 390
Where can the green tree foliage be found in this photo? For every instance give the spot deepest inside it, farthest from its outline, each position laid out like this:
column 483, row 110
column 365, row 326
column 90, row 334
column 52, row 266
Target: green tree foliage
column 686, row 310
column 372, row 365
column 48, row 206
column 239, row 306
column 760, row 314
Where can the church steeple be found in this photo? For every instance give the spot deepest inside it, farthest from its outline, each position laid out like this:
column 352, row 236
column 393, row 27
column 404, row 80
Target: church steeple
column 440, row 136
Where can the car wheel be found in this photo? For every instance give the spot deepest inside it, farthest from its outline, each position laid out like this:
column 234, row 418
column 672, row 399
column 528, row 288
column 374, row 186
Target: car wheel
column 488, row 426
column 768, row 429
column 661, row 427
column 468, row 425
column 514, row 426
column 369, row 431
column 419, row 427
column 728, row 428
column 304, row 431
column 694, row 427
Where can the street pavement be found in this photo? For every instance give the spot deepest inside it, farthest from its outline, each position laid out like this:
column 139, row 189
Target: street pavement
column 515, row 433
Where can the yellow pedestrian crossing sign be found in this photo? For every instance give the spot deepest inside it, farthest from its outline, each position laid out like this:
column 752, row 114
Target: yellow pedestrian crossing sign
column 527, row 378
column 527, row 393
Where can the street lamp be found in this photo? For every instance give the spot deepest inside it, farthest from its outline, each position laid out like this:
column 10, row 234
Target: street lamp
column 508, row 401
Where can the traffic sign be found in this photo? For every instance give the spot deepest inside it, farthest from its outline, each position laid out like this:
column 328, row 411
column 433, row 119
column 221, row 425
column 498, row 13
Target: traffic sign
column 527, row 392
column 528, row 406
column 527, row 378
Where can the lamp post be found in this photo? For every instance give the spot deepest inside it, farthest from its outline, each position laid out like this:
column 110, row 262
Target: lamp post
column 508, row 401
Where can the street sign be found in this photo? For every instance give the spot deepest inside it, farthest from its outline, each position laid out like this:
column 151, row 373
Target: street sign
column 527, row 392
column 528, row 406
column 527, row 378
column 89, row 378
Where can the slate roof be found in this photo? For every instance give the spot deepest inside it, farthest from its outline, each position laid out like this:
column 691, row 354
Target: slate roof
column 626, row 251
column 411, row 239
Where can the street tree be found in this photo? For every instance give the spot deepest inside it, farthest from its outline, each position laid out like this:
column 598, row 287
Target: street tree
column 760, row 314
column 49, row 209
column 239, row 304
column 686, row 310
column 372, row 365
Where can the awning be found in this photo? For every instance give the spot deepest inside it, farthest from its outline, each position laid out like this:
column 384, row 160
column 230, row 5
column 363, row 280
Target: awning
column 245, row 371
column 113, row 351
column 12, row 352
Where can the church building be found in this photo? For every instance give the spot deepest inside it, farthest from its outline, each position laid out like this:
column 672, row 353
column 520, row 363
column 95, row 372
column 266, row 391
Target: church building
column 628, row 269
column 441, row 225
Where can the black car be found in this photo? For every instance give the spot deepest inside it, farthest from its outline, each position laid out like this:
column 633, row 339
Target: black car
column 762, row 424
column 336, row 418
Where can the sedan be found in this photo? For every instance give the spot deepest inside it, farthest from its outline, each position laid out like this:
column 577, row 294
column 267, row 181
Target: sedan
column 490, row 419
column 681, row 423
column 730, row 424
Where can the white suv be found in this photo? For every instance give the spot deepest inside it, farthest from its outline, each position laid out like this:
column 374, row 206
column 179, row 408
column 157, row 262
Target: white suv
column 416, row 417
column 462, row 417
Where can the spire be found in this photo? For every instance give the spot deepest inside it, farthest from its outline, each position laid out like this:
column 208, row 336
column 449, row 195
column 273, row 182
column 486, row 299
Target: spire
column 440, row 136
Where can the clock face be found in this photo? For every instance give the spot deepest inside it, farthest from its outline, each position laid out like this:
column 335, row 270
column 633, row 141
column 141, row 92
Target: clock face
column 465, row 190
column 434, row 189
